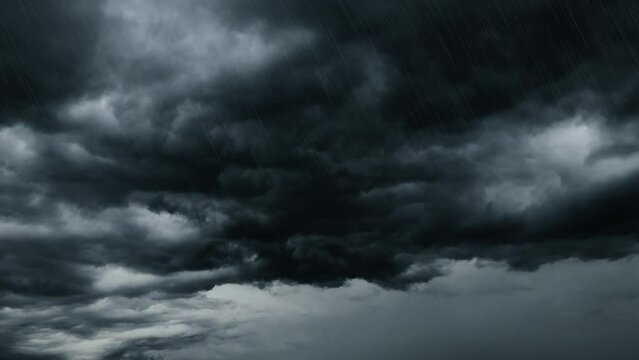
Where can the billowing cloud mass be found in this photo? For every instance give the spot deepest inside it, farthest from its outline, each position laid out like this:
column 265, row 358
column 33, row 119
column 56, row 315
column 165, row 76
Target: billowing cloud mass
column 166, row 165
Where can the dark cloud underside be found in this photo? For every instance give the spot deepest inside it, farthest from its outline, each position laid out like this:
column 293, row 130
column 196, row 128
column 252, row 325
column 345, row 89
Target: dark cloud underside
column 159, row 147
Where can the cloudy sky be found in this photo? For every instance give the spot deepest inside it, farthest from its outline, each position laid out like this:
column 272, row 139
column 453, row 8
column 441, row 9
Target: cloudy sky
column 335, row 179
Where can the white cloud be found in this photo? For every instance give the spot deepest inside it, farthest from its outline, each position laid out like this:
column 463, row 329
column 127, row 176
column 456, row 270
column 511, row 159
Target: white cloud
column 130, row 220
column 98, row 112
column 528, row 168
column 17, row 144
column 110, row 278
column 161, row 226
column 568, row 143
column 74, row 347
column 192, row 40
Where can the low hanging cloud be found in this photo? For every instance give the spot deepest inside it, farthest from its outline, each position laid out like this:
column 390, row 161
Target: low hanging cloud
column 291, row 144
column 157, row 150
column 583, row 302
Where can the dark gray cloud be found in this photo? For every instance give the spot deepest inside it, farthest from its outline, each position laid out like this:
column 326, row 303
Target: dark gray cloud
column 46, row 51
column 294, row 144
column 162, row 148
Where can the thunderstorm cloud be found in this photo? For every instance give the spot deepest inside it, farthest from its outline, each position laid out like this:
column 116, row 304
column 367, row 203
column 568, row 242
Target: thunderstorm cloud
column 300, row 179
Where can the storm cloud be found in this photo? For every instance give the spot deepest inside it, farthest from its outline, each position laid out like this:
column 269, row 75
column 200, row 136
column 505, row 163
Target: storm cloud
column 153, row 150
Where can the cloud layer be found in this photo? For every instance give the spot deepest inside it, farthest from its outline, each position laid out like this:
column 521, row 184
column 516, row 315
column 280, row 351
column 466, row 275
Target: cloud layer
column 590, row 310
column 155, row 149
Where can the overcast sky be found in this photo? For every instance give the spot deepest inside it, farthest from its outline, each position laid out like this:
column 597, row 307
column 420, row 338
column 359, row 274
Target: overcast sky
column 335, row 179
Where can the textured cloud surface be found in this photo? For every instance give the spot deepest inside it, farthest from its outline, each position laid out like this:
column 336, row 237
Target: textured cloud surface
column 478, row 310
column 155, row 152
